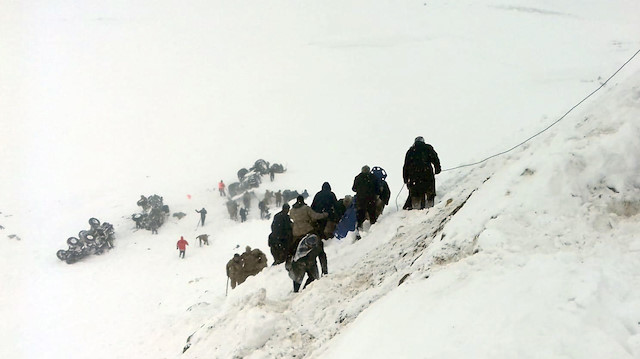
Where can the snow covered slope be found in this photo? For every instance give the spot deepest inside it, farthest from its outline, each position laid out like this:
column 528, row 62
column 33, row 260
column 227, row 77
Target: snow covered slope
column 532, row 254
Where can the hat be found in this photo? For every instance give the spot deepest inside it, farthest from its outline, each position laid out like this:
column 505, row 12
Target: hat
column 286, row 206
column 366, row 169
column 419, row 139
column 300, row 199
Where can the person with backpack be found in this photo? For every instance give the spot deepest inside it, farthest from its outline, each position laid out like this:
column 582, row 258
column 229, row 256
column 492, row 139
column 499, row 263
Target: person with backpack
column 325, row 201
column 304, row 261
column 182, row 246
column 364, row 185
column 420, row 163
column 384, row 193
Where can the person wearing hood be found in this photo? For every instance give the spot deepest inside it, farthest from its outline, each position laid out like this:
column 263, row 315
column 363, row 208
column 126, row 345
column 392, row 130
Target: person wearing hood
column 420, row 163
column 182, row 246
column 303, row 218
column 325, row 201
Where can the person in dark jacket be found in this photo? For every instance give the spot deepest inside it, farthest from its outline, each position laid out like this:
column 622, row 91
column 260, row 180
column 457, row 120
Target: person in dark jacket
column 203, row 215
column 420, row 163
column 243, row 214
column 364, row 185
column 383, row 198
column 281, row 237
column 325, row 201
column 304, row 261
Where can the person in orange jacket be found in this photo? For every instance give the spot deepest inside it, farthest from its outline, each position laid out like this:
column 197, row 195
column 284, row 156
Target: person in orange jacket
column 221, row 188
column 182, row 246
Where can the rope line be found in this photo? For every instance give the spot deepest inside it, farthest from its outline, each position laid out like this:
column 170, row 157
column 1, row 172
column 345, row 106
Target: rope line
column 551, row 125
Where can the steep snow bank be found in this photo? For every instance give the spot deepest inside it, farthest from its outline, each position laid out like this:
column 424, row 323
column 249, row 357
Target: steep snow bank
column 554, row 229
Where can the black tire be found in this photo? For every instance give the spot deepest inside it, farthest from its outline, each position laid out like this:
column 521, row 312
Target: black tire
column 94, row 221
column 241, row 173
column 73, row 241
column 62, row 255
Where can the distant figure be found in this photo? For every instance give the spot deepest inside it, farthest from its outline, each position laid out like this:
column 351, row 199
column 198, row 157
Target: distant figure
column 246, row 200
column 203, row 238
column 364, row 185
column 243, row 214
column 272, row 173
column 235, row 272
column 420, row 162
column 182, row 246
column 325, row 201
column 281, row 237
column 263, row 209
column 304, row 261
column 232, row 208
column 305, row 194
column 268, row 195
column 203, row 215
column 144, row 203
column 221, row 188
column 278, row 198
column 154, row 225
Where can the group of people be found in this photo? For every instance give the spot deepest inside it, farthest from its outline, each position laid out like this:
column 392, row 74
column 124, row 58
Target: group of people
column 244, row 265
column 298, row 231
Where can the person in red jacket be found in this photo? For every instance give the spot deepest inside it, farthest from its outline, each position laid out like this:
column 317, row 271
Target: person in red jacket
column 221, row 188
column 182, row 246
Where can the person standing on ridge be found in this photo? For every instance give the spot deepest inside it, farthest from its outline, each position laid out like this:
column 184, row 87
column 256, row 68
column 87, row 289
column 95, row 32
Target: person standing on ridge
column 203, row 215
column 182, row 246
column 364, row 185
column 420, row 163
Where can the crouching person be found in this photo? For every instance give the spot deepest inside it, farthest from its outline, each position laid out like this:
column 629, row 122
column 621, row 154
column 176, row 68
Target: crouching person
column 304, row 261
column 253, row 260
column 235, row 271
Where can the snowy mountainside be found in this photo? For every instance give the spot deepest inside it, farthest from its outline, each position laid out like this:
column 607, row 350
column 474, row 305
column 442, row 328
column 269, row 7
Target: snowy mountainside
column 545, row 234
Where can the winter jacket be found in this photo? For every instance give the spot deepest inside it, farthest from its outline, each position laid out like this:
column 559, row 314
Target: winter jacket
column 417, row 171
column 182, row 244
column 364, row 185
column 254, row 261
column 281, row 227
column 325, row 201
column 303, row 217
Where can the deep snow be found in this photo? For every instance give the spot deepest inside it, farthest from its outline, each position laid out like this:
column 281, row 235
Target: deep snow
column 534, row 256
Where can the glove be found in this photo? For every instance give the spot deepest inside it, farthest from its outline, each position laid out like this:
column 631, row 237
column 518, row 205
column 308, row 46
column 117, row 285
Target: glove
column 438, row 170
